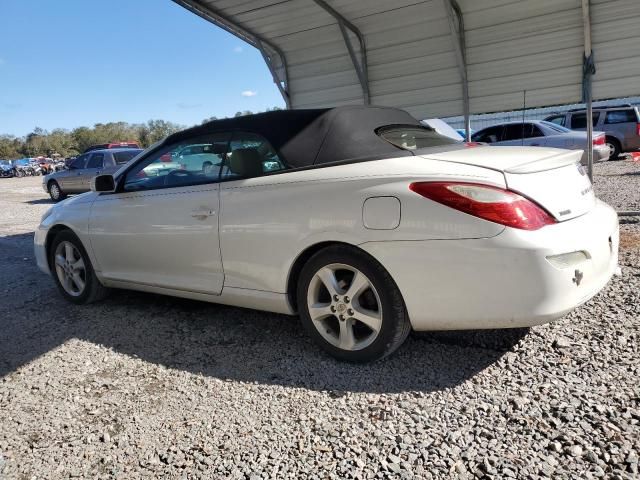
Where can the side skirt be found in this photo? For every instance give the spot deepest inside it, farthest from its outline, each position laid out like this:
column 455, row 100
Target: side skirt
column 236, row 297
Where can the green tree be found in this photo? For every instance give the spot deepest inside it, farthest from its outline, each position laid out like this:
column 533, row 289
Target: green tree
column 9, row 147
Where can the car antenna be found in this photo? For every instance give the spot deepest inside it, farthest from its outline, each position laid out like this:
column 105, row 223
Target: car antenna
column 524, row 107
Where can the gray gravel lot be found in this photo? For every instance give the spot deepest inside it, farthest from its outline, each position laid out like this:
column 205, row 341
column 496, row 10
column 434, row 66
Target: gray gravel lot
column 148, row 386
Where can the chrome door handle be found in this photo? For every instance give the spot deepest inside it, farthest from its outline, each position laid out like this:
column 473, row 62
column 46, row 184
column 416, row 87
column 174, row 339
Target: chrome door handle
column 202, row 214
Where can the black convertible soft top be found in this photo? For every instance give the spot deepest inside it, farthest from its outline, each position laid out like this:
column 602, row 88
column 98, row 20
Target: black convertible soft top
column 304, row 138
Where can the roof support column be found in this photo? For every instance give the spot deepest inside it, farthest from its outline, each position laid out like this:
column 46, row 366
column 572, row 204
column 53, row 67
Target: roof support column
column 456, row 25
column 588, row 70
column 272, row 54
column 359, row 64
column 282, row 84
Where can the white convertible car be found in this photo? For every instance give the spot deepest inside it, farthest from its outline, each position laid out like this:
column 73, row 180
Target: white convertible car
column 361, row 220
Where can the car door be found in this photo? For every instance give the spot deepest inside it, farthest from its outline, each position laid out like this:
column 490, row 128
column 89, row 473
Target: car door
column 71, row 180
column 623, row 125
column 160, row 228
column 94, row 167
column 518, row 134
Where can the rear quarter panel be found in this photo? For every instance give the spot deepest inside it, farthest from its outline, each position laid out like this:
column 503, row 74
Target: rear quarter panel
column 267, row 222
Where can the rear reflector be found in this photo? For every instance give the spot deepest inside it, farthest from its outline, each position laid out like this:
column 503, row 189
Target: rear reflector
column 568, row 260
column 489, row 203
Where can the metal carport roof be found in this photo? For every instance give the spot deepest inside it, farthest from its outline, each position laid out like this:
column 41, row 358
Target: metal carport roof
column 416, row 54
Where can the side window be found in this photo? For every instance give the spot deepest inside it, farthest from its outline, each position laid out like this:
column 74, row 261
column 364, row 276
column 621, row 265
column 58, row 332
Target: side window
column 190, row 162
column 489, row 135
column 79, row 163
column 621, row 116
column 517, row 131
column 558, row 120
column 579, row 120
column 250, row 156
column 96, row 160
column 536, row 132
column 123, row 157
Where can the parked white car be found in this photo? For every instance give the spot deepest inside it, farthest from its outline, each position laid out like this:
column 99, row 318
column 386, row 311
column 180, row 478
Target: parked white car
column 539, row 133
column 360, row 219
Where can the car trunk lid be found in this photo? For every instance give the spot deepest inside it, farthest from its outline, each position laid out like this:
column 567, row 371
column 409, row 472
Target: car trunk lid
column 551, row 177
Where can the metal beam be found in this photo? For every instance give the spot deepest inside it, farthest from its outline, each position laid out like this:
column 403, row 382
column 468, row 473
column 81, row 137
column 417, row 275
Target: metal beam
column 266, row 48
column 588, row 70
column 456, row 25
column 359, row 65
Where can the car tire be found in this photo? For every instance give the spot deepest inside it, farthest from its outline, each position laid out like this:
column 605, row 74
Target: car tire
column 72, row 270
column 361, row 316
column 55, row 192
column 614, row 147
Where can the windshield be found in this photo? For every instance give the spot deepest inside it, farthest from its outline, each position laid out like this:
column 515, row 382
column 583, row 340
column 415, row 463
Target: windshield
column 5, row 163
column 555, row 126
column 412, row 137
column 22, row 162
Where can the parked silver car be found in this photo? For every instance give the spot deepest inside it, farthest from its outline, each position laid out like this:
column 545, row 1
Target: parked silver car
column 621, row 125
column 77, row 177
column 536, row 133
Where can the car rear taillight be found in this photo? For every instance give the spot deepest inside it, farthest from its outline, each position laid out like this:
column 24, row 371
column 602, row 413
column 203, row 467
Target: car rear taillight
column 489, row 203
column 599, row 140
column 638, row 129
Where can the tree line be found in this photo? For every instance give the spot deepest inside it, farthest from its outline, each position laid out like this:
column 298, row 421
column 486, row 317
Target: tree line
column 69, row 143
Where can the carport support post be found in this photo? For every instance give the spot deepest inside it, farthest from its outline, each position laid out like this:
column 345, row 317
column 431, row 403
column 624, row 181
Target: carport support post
column 456, row 24
column 359, row 64
column 587, row 88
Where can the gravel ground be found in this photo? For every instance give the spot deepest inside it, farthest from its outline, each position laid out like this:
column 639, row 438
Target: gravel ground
column 148, row 386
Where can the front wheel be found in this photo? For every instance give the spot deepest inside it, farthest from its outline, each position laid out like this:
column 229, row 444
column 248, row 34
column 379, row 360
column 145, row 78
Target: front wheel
column 72, row 270
column 350, row 305
column 55, row 192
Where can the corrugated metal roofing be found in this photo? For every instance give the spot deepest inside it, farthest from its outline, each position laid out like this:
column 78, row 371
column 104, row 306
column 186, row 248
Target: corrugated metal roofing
column 511, row 46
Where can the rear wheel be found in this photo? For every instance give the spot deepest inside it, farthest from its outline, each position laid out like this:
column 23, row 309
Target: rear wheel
column 55, row 192
column 350, row 305
column 72, row 270
column 614, row 148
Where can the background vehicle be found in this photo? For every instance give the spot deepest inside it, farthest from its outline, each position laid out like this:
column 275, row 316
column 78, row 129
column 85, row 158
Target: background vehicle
column 22, row 167
column 621, row 125
column 86, row 166
column 104, row 146
column 6, row 169
column 360, row 219
column 539, row 133
column 46, row 164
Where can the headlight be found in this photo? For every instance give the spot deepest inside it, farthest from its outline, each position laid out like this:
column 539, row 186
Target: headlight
column 46, row 214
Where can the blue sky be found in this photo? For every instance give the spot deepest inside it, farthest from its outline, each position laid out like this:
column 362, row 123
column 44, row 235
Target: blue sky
column 69, row 63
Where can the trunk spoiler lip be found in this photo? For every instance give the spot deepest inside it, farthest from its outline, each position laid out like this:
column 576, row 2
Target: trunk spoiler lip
column 552, row 162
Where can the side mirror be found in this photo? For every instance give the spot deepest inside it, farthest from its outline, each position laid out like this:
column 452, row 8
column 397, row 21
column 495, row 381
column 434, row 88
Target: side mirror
column 103, row 183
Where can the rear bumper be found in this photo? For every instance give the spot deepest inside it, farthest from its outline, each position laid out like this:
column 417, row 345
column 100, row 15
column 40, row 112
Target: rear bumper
column 505, row 281
column 600, row 154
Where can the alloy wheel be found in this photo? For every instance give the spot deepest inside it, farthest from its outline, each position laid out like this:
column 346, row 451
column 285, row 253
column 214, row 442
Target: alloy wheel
column 54, row 191
column 70, row 268
column 344, row 307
